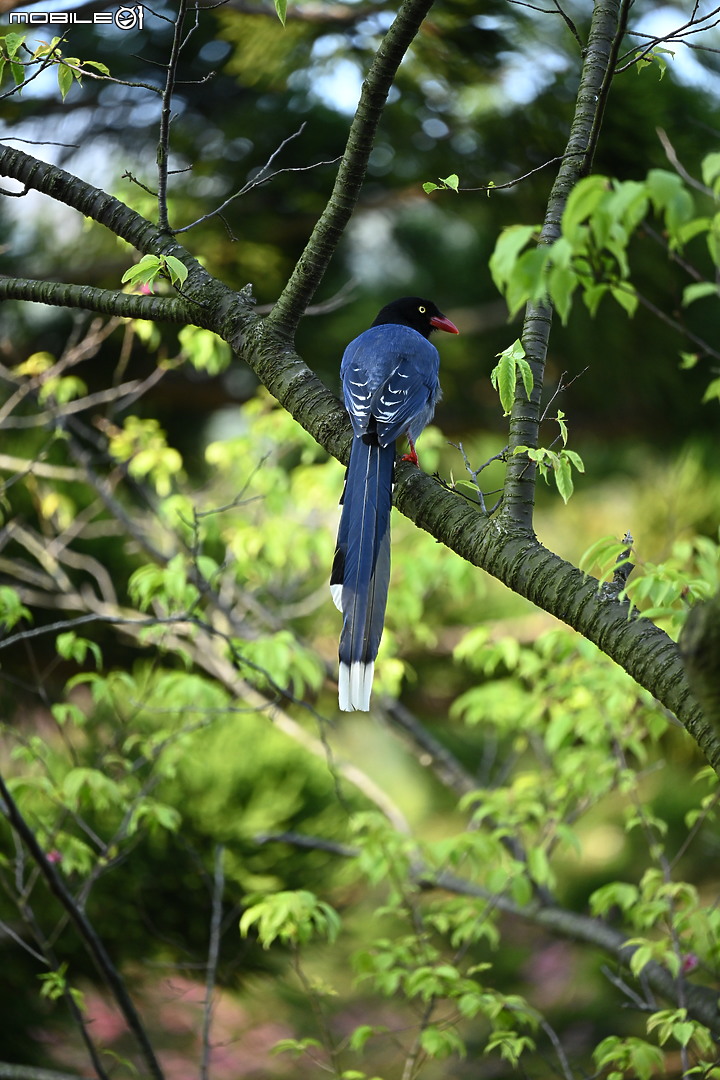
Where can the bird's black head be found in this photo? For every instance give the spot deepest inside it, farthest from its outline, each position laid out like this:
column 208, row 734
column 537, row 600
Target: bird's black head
column 421, row 315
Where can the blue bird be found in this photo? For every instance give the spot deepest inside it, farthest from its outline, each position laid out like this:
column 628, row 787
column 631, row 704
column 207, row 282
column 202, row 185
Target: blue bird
column 390, row 386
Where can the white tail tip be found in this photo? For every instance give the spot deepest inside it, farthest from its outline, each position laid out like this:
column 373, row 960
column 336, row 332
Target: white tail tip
column 354, row 686
column 336, row 593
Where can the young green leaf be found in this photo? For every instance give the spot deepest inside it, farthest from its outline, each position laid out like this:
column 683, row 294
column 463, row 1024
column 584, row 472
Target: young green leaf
column 525, row 374
column 65, row 79
column 563, row 476
column 582, row 201
column 177, row 270
column 143, row 272
column 12, row 43
column 505, row 373
column 626, row 297
column 698, row 290
column 508, row 246
column 102, row 68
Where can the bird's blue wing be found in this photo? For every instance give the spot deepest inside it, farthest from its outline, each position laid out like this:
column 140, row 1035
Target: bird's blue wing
column 390, row 382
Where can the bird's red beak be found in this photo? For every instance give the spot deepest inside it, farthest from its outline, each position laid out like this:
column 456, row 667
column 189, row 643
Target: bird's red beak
column 441, row 323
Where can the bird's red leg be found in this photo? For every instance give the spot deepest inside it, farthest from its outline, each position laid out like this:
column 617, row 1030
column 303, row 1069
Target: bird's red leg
column 412, row 456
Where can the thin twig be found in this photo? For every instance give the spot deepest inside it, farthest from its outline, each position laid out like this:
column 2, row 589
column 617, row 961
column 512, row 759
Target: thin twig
column 671, row 155
column 517, row 180
column 212, row 962
column 569, row 23
column 163, row 150
column 561, row 1055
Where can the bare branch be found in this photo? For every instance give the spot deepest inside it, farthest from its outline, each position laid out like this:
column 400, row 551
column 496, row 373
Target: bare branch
column 104, row 301
column 263, row 176
column 163, row 150
column 212, row 964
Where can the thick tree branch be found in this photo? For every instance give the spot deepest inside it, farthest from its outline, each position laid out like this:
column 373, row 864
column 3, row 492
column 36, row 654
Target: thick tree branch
column 104, row 301
column 321, row 246
column 700, row 649
column 598, row 65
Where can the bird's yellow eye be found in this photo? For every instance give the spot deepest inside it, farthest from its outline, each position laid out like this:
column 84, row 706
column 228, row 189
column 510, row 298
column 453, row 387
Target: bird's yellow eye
column 421, row 309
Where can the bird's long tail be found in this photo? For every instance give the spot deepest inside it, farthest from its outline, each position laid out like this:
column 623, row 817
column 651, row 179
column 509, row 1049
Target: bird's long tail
column 361, row 570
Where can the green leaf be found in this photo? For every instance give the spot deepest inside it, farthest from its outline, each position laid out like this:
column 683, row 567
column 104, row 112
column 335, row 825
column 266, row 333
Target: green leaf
column 574, row 459
column 54, row 983
column 504, row 378
column 525, row 374
column 626, row 297
column 617, row 893
column 710, row 169
column 539, row 866
column 102, row 68
column 72, row 647
column 295, row 1046
column 144, row 271
column 713, row 391
column 178, row 271
column 362, row 1033
column 441, row 1043
column 428, row 186
column 562, row 424
column 562, row 282
column 593, row 294
column 510, row 1044
column 205, row 350
column 603, row 554
column 563, row 476
column 65, row 77
column 451, row 181
column 670, row 198
column 12, row 610
column 64, row 712
column 529, row 278
column 12, row 43
column 698, row 290
column 640, row 958
column 631, row 1055
column 91, row 784
column 508, row 246
column 505, row 373
column 281, row 9
column 584, row 198
column 290, row 916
